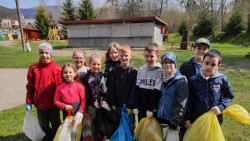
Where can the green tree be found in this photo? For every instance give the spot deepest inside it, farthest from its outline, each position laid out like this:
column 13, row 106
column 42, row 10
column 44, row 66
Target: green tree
column 42, row 22
column 68, row 11
column 235, row 24
column 204, row 26
column 86, row 10
column 183, row 27
column 68, row 14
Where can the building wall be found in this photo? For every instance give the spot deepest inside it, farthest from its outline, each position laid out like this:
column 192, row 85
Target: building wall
column 157, row 35
column 100, row 35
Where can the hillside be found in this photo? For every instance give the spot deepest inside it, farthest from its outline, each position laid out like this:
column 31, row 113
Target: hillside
column 29, row 13
column 7, row 13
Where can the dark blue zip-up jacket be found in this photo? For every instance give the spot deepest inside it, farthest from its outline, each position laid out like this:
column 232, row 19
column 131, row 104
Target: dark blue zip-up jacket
column 207, row 93
column 174, row 100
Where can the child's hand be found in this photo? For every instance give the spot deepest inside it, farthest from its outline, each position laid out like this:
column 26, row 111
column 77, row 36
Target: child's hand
column 96, row 104
column 129, row 111
column 68, row 107
column 216, row 110
column 114, row 108
column 188, row 124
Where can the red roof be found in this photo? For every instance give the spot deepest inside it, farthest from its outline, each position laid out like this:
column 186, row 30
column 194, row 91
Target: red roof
column 30, row 29
column 122, row 20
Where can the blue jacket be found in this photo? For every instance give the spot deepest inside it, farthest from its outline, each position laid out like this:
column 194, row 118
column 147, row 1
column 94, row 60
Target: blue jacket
column 173, row 103
column 207, row 93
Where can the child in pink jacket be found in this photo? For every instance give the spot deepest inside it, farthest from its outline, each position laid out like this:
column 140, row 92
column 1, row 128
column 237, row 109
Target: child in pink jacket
column 70, row 95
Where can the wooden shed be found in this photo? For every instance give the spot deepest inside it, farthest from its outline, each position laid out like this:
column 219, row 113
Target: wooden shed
column 31, row 33
column 135, row 31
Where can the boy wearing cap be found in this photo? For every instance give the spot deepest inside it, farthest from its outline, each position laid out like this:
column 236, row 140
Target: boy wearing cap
column 193, row 66
column 43, row 79
column 174, row 99
column 148, row 83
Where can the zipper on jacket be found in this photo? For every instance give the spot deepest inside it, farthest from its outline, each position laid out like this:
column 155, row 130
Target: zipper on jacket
column 165, row 89
column 162, row 107
column 209, row 103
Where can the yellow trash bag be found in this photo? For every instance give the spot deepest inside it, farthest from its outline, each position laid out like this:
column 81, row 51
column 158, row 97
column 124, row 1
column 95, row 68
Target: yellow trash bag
column 237, row 113
column 148, row 129
column 205, row 128
column 68, row 130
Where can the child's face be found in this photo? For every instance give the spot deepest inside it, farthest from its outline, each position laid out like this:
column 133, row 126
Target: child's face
column 200, row 50
column 79, row 59
column 69, row 74
column 95, row 65
column 124, row 58
column 150, row 58
column 45, row 56
column 168, row 67
column 113, row 54
column 210, row 65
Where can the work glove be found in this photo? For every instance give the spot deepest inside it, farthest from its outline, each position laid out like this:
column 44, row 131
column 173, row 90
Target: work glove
column 149, row 114
column 216, row 110
column 78, row 117
column 135, row 111
column 105, row 105
column 28, row 106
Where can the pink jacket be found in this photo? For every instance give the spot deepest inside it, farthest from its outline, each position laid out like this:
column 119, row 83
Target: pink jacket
column 72, row 94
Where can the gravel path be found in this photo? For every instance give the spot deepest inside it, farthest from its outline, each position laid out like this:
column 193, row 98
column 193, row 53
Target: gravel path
column 12, row 87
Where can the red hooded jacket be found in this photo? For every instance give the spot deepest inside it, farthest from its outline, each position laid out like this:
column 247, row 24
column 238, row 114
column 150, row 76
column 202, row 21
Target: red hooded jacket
column 43, row 79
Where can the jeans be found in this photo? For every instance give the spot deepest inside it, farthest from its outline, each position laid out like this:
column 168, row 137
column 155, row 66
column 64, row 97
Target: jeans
column 47, row 118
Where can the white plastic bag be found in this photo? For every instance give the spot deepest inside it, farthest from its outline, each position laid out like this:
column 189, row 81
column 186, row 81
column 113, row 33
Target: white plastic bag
column 31, row 128
column 172, row 135
column 68, row 130
column 169, row 134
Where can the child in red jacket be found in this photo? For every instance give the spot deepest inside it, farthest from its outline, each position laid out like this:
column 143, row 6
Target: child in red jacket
column 70, row 95
column 43, row 79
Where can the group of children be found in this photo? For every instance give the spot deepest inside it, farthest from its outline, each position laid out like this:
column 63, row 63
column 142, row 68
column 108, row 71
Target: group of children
column 175, row 97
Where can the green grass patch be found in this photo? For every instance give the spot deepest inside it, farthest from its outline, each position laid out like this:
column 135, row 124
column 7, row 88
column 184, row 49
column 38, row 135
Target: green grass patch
column 15, row 57
column 11, row 124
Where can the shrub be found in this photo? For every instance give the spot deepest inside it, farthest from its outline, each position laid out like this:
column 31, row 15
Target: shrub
column 235, row 24
column 183, row 27
column 204, row 26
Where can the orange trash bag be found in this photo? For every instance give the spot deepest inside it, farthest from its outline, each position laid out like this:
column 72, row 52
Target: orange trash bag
column 148, row 129
column 205, row 128
column 237, row 113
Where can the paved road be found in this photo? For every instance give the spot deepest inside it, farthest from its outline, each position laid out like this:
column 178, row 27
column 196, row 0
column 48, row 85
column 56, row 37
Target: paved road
column 12, row 87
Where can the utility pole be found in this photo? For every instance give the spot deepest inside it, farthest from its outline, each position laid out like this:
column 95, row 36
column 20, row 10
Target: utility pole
column 20, row 24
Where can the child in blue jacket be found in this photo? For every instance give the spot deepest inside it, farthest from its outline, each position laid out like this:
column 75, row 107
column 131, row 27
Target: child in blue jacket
column 208, row 90
column 174, row 99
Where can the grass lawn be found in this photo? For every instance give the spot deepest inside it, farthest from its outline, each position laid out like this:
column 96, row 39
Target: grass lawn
column 234, row 65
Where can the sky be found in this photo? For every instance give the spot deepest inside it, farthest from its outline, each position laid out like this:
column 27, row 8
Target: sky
column 35, row 3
